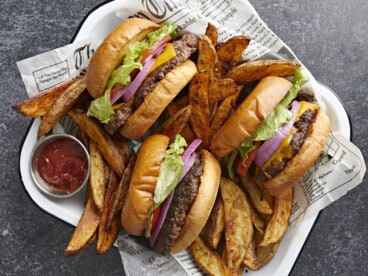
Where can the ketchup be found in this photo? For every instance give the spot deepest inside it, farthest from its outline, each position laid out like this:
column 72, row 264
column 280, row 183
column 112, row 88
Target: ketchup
column 63, row 164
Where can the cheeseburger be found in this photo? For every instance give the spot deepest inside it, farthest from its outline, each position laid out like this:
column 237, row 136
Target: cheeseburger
column 136, row 72
column 171, row 193
column 281, row 132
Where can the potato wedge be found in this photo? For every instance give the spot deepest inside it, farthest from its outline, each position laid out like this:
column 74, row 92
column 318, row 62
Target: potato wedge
column 198, row 99
column 266, row 253
column 251, row 71
column 207, row 57
column 260, row 200
column 86, row 228
column 215, row 225
column 238, row 223
column 107, row 236
column 97, row 180
column 39, row 104
column 223, row 111
column 279, row 222
column 212, row 33
column 208, row 259
column 251, row 259
column 121, row 192
column 102, row 139
column 176, row 123
column 122, row 145
column 61, row 106
column 221, row 89
column 230, row 52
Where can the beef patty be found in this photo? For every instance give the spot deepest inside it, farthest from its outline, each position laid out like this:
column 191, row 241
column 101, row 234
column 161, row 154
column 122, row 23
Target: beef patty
column 184, row 196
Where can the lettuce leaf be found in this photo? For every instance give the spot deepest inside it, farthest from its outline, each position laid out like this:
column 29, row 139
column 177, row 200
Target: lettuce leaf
column 101, row 108
column 170, row 171
column 121, row 75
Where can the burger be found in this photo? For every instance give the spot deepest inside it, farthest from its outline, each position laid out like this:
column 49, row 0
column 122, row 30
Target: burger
column 276, row 131
column 171, row 193
column 136, row 72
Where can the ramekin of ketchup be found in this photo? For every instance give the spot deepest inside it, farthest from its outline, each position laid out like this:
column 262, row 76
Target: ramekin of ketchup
column 60, row 165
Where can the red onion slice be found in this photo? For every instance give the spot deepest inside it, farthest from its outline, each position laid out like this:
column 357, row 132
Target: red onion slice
column 127, row 92
column 270, row 146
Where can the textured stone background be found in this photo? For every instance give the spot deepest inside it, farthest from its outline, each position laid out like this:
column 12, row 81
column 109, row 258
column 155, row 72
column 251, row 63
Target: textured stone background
column 330, row 38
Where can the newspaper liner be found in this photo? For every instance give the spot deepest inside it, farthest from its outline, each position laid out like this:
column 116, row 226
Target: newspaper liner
column 339, row 169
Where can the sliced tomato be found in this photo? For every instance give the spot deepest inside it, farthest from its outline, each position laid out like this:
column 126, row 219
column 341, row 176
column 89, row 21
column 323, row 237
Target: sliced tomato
column 243, row 166
column 155, row 217
column 115, row 90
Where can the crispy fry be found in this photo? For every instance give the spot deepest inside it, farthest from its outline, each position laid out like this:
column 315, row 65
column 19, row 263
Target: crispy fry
column 61, row 106
column 258, row 222
column 177, row 104
column 211, row 32
column 97, row 180
column 198, row 99
column 238, row 223
column 223, row 111
column 103, row 141
column 221, row 89
column 260, row 200
column 251, row 71
column 279, row 222
column 265, row 253
column 230, row 52
column 83, row 137
column 107, row 236
column 84, row 232
column 176, row 123
column 207, row 259
column 121, row 192
column 215, row 225
column 251, row 259
column 207, row 57
column 39, row 104
column 122, row 145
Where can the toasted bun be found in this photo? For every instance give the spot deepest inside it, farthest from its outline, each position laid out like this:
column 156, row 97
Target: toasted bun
column 304, row 159
column 157, row 100
column 250, row 114
column 112, row 51
column 134, row 215
column 203, row 204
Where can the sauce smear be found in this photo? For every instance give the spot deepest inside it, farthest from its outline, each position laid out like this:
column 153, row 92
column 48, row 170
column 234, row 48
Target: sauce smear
column 63, row 165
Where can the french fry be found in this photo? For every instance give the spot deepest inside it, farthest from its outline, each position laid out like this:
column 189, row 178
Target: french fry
column 215, row 225
column 208, row 259
column 122, row 145
column 223, row 111
column 177, row 104
column 107, row 236
column 102, row 139
column 258, row 222
column 260, row 200
column 238, row 223
column 176, row 122
column 97, row 180
column 266, row 253
column 251, row 71
column 212, row 33
column 230, row 52
column 279, row 222
column 198, row 99
column 86, row 228
column 121, row 192
column 207, row 57
column 251, row 259
column 221, row 89
column 39, row 104
column 61, row 106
